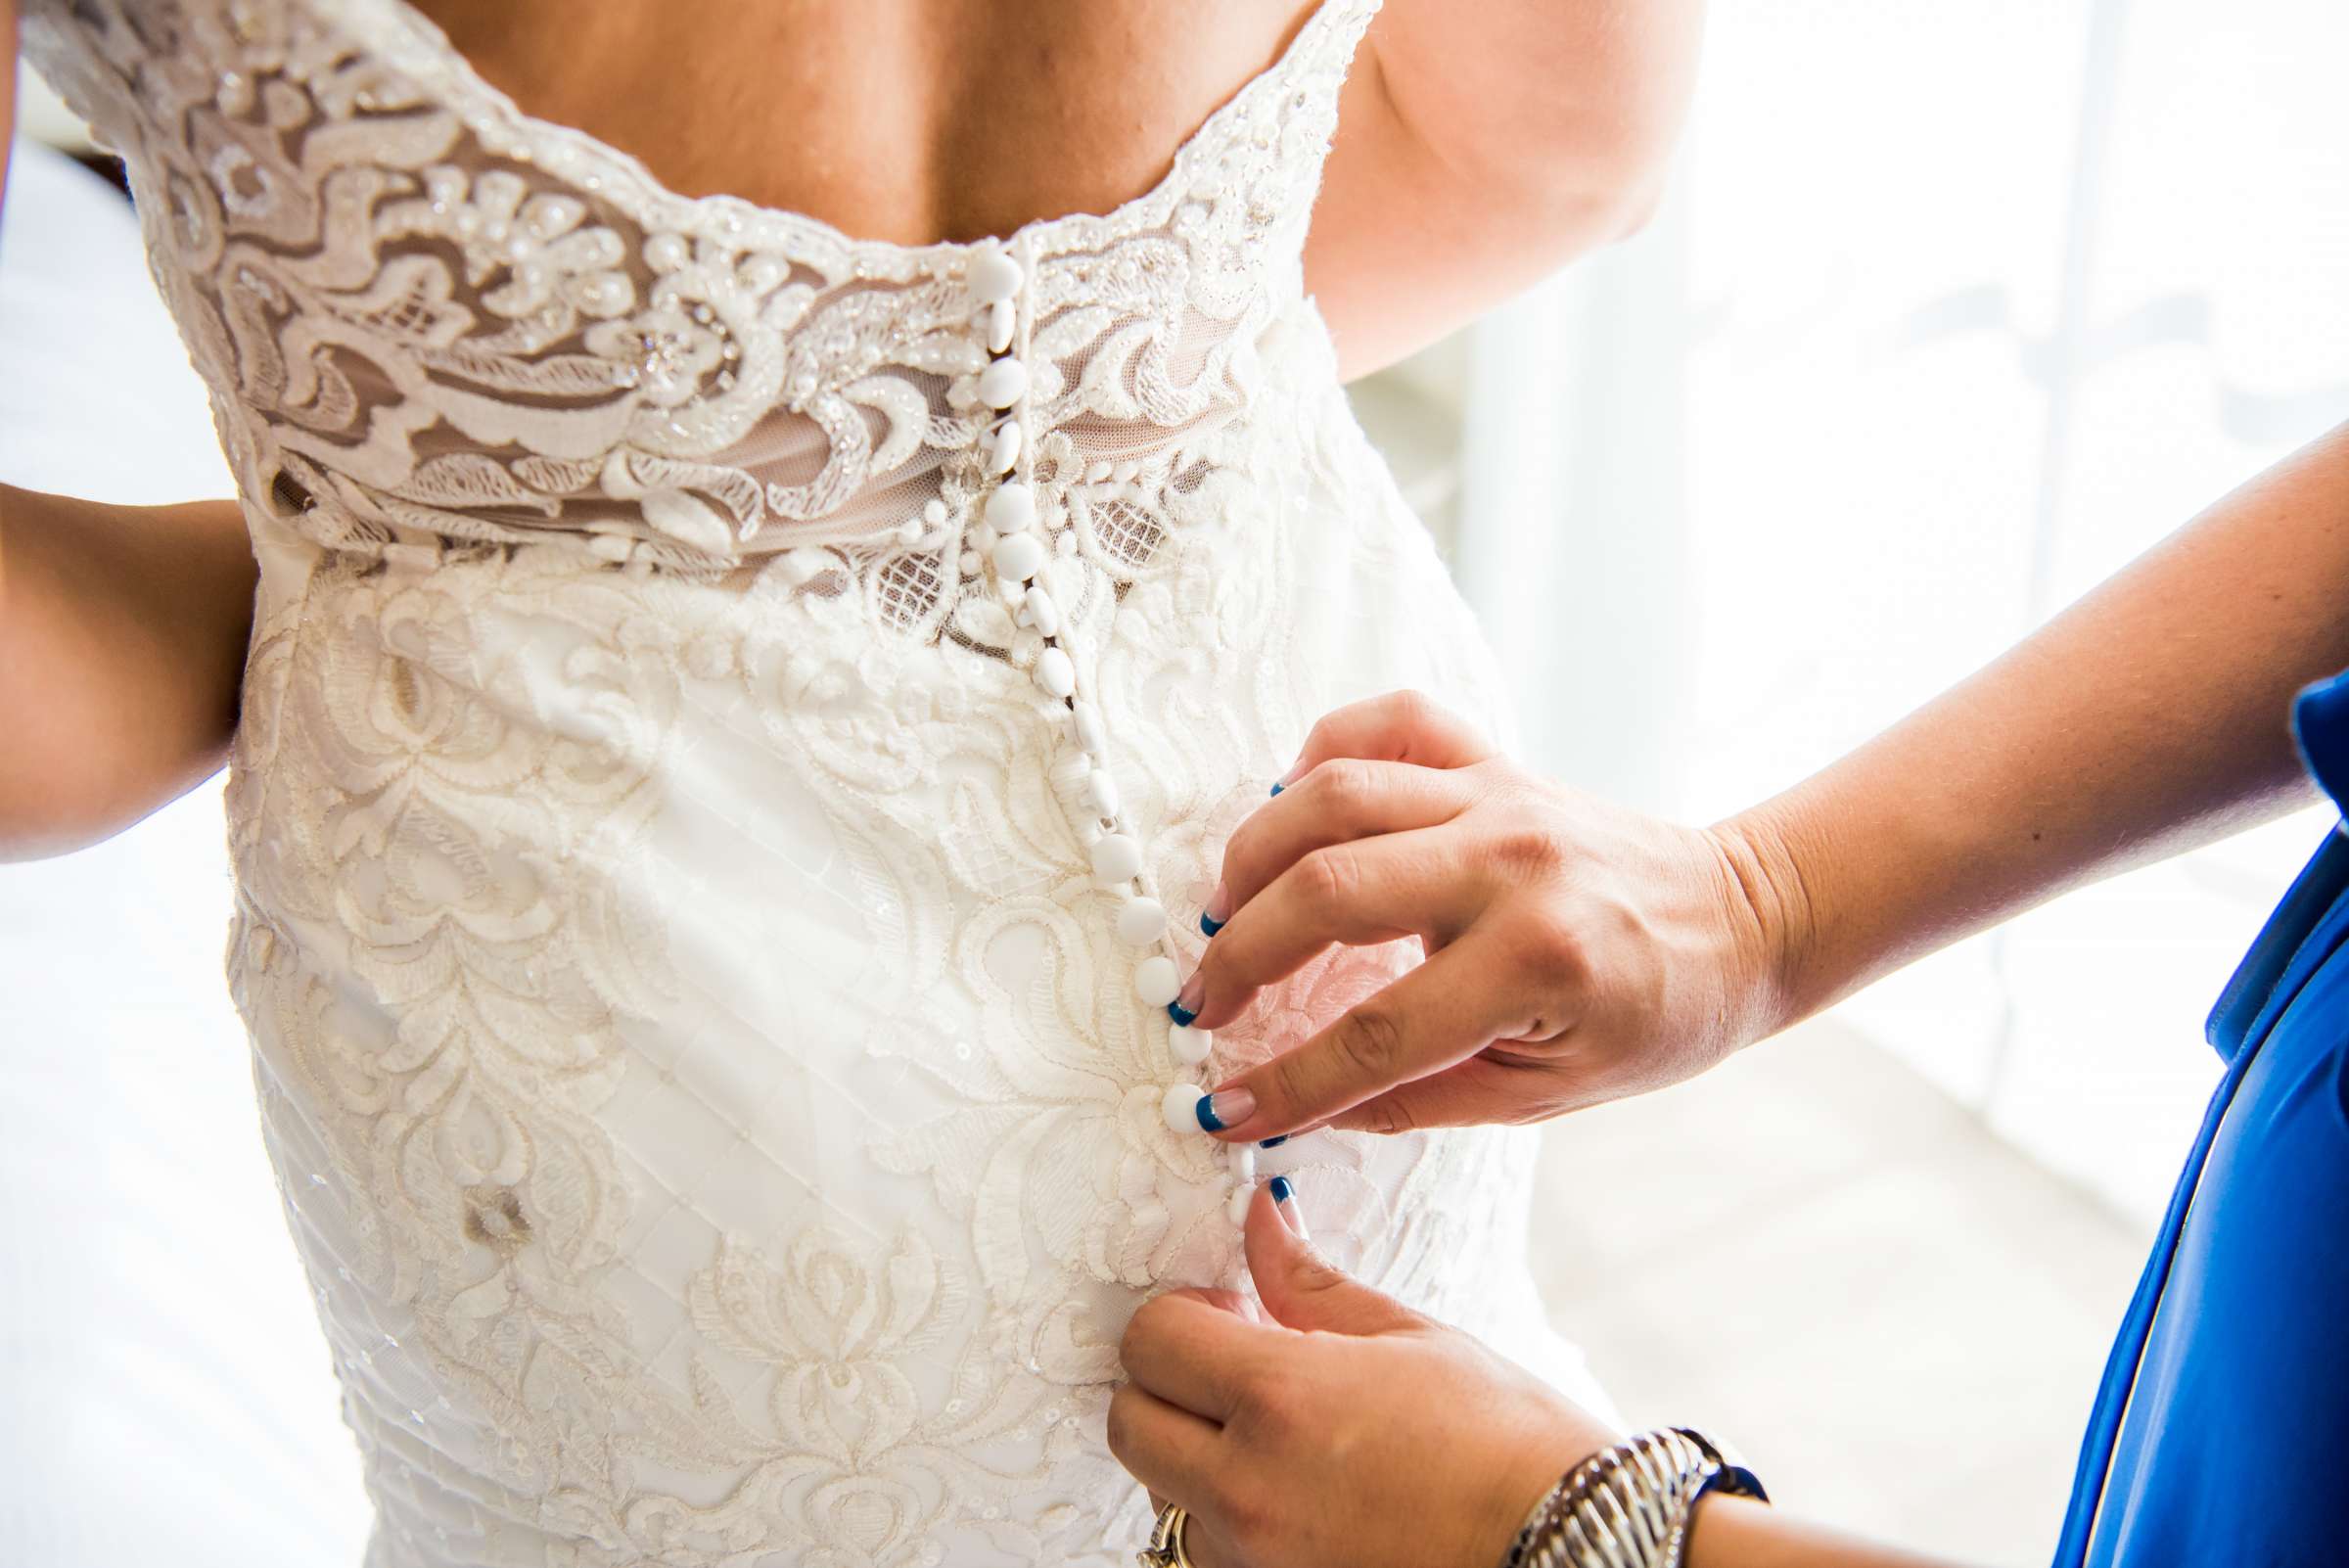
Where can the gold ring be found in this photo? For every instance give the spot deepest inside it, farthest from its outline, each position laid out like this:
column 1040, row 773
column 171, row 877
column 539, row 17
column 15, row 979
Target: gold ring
column 1166, row 1541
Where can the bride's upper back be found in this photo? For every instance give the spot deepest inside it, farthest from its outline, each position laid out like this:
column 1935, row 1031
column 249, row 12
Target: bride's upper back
column 908, row 120
column 685, row 286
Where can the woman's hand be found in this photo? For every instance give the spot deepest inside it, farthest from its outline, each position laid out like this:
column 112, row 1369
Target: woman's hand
column 1349, row 1429
column 1576, row 952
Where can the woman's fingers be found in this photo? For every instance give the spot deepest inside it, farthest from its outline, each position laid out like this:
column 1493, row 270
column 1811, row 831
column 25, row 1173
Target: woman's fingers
column 1356, row 893
column 1206, row 1545
column 1190, row 1351
column 1336, row 803
column 1439, row 1014
column 1480, row 1092
column 1188, row 1354
column 1162, row 1445
column 1402, row 726
column 1202, row 1543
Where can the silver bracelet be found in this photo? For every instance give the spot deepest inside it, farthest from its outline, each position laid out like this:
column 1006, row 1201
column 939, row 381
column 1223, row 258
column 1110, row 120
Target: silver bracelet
column 1631, row 1505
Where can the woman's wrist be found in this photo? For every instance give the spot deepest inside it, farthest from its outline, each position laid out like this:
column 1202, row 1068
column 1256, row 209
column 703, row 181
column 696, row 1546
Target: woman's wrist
column 1774, row 919
column 1740, row 1533
column 1528, row 1476
column 1637, row 1497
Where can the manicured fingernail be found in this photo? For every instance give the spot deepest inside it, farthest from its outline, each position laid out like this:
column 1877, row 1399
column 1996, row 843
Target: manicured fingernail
column 1285, row 1197
column 1218, row 910
column 1227, row 1109
column 1274, row 1144
column 1185, row 1005
column 1277, row 787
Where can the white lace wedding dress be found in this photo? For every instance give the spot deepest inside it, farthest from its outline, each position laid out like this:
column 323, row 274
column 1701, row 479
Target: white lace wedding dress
column 709, row 1090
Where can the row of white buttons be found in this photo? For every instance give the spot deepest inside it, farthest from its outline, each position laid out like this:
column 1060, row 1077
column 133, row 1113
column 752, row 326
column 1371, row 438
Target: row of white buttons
column 997, row 283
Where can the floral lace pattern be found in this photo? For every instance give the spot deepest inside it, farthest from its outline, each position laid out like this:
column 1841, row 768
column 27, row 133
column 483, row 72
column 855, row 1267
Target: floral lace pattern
column 715, row 1119
column 426, row 317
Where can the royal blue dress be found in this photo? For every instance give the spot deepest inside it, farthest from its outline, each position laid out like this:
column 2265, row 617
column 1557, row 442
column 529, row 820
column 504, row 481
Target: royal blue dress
column 2220, row 1436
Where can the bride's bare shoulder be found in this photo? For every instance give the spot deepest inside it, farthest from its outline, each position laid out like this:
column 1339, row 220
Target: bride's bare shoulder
column 1482, row 146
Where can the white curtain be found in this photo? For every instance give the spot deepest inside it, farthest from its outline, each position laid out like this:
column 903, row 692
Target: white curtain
column 1953, row 311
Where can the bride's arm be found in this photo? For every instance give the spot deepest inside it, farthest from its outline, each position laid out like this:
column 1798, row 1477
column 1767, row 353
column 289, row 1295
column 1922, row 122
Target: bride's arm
column 1481, row 147
column 121, row 641
column 122, row 651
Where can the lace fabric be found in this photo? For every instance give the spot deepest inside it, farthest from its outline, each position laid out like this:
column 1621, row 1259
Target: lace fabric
column 714, row 1114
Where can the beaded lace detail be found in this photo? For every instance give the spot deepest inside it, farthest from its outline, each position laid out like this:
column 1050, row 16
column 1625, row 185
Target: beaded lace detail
column 431, row 317
column 710, row 1098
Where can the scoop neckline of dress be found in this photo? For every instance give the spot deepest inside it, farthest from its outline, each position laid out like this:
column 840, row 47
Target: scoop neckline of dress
column 414, row 45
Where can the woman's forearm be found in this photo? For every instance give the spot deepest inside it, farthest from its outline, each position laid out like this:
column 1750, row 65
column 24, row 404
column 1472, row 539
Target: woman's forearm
column 122, row 634
column 1739, row 1533
column 2149, row 717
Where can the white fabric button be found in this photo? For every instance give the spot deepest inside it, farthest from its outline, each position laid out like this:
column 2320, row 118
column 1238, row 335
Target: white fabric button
column 1141, row 922
column 1054, row 674
column 1043, row 613
column 1004, row 382
column 1017, row 558
column 1004, row 455
column 1068, row 775
column 1002, row 319
column 994, row 275
column 1155, row 981
column 1011, row 508
column 1180, row 1105
column 1190, row 1047
column 1240, row 1159
column 1089, row 734
column 1117, row 859
column 1101, row 790
column 1235, row 1206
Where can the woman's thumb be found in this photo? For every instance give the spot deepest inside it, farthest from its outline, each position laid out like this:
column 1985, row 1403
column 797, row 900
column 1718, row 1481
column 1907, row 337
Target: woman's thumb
column 1302, row 1289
